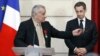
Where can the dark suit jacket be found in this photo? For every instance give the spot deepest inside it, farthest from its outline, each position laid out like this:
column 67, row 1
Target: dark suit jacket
column 86, row 40
column 27, row 35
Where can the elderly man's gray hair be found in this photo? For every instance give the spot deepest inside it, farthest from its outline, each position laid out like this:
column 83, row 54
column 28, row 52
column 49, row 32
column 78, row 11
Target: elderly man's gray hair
column 36, row 8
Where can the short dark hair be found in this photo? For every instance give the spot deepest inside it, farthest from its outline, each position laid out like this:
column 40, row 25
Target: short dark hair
column 80, row 4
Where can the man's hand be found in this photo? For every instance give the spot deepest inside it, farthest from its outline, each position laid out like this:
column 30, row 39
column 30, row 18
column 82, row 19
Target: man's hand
column 77, row 32
column 77, row 50
column 29, row 46
column 83, row 51
column 35, row 46
column 80, row 51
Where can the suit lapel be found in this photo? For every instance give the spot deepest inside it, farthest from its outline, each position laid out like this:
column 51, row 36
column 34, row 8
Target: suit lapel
column 45, row 32
column 32, row 26
column 76, row 23
column 86, row 25
column 33, row 31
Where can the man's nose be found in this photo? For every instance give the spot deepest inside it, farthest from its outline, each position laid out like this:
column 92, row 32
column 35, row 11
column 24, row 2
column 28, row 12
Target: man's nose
column 79, row 13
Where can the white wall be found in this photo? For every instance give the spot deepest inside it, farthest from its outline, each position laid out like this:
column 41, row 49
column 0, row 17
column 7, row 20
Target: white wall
column 58, row 13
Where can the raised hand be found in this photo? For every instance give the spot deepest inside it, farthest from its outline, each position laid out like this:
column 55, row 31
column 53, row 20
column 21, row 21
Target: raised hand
column 77, row 32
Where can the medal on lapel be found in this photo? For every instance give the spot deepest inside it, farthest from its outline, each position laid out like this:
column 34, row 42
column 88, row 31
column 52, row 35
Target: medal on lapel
column 45, row 33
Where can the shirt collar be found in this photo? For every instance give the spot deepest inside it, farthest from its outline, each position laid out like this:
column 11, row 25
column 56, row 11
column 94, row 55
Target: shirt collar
column 35, row 22
column 84, row 19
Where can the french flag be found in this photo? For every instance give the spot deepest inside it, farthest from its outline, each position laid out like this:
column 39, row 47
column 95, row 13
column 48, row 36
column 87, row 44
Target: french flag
column 9, row 24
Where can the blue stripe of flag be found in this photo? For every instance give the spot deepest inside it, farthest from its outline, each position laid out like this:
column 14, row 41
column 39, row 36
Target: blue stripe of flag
column 14, row 4
column 3, row 3
column 2, row 12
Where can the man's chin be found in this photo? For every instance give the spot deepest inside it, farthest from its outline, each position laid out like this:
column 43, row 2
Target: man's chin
column 43, row 21
column 81, row 17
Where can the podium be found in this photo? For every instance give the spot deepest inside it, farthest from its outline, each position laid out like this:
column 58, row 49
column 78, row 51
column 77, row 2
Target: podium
column 31, row 51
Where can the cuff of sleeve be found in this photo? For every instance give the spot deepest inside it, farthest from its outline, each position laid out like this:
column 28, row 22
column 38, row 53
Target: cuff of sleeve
column 75, row 49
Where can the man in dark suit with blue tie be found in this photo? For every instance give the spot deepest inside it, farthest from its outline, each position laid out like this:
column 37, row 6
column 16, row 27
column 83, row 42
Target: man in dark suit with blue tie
column 84, row 43
column 38, row 32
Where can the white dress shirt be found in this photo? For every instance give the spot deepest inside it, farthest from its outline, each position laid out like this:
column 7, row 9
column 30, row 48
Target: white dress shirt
column 39, row 32
column 83, row 22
